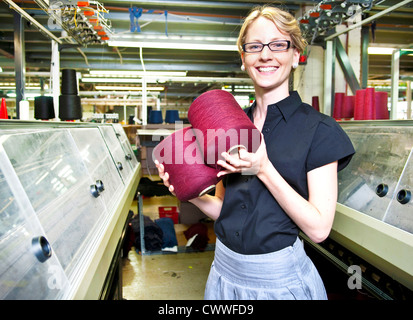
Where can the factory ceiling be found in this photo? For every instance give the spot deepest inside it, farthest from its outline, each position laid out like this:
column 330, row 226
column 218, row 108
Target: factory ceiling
column 194, row 37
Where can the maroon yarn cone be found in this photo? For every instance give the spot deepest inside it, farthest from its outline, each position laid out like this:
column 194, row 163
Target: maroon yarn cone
column 338, row 105
column 221, row 125
column 348, row 107
column 316, row 103
column 359, row 104
column 381, row 99
column 183, row 160
column 369, row 105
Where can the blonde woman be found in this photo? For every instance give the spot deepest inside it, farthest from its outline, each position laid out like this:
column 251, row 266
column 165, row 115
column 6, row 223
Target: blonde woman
column 288, row 185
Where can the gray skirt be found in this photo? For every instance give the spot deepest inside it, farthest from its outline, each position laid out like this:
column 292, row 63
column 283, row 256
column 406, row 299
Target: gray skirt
column 287, row 274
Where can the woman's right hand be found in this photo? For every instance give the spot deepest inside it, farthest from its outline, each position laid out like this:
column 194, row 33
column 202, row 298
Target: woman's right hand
column 164, row 176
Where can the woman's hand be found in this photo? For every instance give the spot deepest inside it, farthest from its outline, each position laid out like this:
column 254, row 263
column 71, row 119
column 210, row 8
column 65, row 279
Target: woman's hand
column 244, row 161
column 164, row 176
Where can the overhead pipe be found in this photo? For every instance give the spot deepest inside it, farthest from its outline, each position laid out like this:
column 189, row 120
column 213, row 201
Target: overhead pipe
column 367, row 20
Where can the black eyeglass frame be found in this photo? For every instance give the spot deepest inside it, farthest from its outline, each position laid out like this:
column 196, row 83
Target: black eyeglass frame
column 267, row 45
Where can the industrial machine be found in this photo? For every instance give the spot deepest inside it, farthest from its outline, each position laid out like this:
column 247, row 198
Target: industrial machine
column 373, row 226
column 65, row 194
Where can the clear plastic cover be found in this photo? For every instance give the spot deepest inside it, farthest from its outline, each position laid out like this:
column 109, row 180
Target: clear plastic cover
column 375, row 175
column 56, row 181
column 99, row 163
column 116, row 150
column 26, row 270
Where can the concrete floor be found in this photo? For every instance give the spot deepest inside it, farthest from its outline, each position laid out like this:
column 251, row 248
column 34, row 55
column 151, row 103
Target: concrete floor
column 172, row 276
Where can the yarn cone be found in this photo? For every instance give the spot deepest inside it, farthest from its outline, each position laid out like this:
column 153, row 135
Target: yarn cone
column 182, row 158
column 3, row 109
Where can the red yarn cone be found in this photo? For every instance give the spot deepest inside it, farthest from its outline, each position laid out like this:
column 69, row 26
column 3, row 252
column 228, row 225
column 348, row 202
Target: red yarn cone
column 316, row 103
column 381, row 105
column 369, row 105
column 359, row 104
column 348, row 107
column 3, row 109
column 338, row 105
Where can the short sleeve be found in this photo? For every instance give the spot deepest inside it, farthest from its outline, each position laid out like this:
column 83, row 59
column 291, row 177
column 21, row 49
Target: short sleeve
column 330, row 143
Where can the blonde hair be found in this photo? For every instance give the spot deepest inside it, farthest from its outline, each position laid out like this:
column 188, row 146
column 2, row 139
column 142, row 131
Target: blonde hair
column 283, row 20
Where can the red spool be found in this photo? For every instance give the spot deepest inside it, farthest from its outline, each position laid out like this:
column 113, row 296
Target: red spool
column 381, row 99
column 316, row 103
column 338, row 105
column 369, row 105
column 359, row 104
column 348, row 107
column 221, row 125
column 183, row 160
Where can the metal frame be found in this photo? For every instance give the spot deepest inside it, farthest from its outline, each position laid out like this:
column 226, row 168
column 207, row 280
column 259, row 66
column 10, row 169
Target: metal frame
column 329, row 60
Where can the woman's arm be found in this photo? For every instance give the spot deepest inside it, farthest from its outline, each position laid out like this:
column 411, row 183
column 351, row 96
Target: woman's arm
column 315, row 216
column 210, row 205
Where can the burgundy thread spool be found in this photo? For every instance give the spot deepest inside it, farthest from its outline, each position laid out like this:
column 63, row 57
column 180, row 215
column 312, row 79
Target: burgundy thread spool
column 316, row 103
column 221, row 125
column 359, row 104
column 369, row 105
column 381, row 99
column 183, row 160
column 348, row 107
column 338, row 105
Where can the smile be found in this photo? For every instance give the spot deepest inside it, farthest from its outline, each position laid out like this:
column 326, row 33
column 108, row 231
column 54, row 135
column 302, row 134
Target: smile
column 267, row 69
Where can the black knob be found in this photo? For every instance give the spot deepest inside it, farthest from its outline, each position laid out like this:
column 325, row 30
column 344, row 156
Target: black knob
column 120, row 166
column 41, row 248
column 128, row 157
column 404, row 196
column 94, row 190
column 382, row 189
column 100, row 186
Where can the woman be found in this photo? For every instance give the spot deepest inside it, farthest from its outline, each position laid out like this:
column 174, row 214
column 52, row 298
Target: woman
column 289, row 184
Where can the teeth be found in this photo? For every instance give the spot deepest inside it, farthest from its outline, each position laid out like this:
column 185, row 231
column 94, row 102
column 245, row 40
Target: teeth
column 267, row 69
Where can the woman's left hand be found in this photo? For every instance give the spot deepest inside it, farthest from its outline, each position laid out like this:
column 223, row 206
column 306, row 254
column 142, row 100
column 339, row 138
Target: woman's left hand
column 243, row 161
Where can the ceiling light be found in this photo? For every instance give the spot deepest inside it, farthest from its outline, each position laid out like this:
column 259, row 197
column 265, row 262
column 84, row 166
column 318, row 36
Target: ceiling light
column 117, row 80
column 380, row 50
column 128, row 88
column 138, row 73
column 385, row 50
column 173, row 45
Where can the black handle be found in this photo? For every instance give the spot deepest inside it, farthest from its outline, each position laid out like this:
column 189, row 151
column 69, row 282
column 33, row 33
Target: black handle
column 120, row 166
column 94, row 190
column 404, row 196
column 128, row 157
column 41, row 248
column 382, row 189
column 100, row 186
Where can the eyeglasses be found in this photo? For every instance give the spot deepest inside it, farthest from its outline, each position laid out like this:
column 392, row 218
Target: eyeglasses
column 276, row 46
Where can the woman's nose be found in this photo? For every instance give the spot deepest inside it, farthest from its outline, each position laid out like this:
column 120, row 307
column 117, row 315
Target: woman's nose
column 266, row 53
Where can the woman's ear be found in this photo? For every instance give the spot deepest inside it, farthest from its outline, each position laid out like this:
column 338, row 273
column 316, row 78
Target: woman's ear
column 296, row 56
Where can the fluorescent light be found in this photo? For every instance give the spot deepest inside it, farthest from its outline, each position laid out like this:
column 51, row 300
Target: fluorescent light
column 380, row 50
column 137, row 73
column 385, row 50
column 173, row 45
column 179, row 38
column 117, row 80
column 224, row 80
column 129, row 88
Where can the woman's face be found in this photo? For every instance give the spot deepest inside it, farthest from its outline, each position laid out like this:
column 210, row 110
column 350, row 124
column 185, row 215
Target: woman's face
column 268, row 70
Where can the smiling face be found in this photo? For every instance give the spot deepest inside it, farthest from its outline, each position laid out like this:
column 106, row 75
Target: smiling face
column 269, row 70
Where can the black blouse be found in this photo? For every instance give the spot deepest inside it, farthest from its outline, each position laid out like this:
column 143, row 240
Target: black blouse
column 298, row 139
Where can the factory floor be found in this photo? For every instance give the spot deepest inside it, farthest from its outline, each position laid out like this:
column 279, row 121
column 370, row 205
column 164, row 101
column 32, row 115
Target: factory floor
column 167, row 276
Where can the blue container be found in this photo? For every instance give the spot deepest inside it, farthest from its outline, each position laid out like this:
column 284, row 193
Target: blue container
column 155, row 116
column 171, row 116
